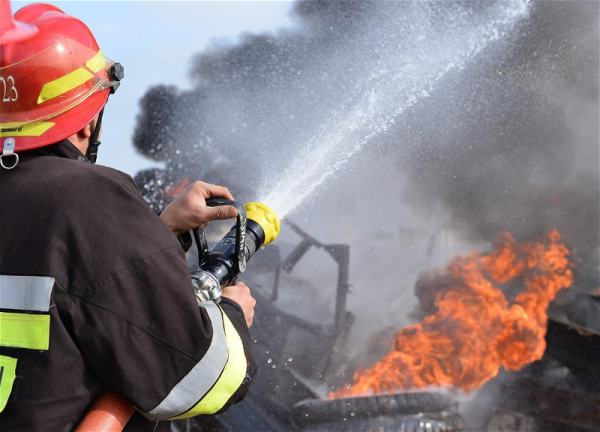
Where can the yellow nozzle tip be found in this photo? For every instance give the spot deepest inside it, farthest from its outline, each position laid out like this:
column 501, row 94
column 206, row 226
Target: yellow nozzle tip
column 263, row 215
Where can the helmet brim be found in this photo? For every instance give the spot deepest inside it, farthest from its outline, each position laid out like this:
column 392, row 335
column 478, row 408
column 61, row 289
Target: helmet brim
column 65, row 124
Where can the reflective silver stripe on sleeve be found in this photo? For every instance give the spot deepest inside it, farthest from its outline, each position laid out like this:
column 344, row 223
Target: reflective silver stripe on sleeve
column 202, row 376
column 31, row 293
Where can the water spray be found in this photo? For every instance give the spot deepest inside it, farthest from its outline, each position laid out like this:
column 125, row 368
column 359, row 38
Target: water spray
column 386, row 93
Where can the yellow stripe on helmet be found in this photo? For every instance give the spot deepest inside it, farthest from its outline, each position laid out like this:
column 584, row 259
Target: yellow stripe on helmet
column 74, row 79
column 62, row 85
column 24, row 129
column 96, row 63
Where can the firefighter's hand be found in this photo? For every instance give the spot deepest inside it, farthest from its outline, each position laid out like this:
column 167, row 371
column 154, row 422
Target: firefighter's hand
column 189, row 210
column 240, row 294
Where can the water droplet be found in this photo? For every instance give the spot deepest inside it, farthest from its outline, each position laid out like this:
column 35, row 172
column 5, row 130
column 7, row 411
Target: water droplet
column 270, row 360
column 290, row 359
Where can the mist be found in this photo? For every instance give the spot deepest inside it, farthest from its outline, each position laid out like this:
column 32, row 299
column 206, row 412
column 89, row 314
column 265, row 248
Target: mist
column 505, row 139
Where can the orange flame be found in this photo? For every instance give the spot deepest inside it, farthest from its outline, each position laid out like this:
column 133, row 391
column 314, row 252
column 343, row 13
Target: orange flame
column 475, row 330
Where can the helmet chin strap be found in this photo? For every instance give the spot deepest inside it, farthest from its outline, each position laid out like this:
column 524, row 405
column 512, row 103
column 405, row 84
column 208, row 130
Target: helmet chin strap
column 92, row 151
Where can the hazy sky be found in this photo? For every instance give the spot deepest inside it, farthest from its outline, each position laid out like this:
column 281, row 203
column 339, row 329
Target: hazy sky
column 155, row 41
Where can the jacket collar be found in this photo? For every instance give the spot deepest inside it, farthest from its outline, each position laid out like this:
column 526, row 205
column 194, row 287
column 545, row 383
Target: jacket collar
column 63, row 149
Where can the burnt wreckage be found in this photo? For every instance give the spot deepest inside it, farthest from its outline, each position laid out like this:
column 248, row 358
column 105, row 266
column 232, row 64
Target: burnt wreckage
column 300, row 359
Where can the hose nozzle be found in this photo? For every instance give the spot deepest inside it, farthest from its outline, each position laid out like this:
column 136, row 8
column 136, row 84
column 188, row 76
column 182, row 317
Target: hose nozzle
column 227, row 259
column 266, row 218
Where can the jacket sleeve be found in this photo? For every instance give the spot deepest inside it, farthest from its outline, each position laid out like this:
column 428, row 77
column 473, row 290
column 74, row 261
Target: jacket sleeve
column 130, row 308
column 236, row 316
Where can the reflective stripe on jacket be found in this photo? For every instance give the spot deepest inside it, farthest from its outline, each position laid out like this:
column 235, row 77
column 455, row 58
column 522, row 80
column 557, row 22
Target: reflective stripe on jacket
column 95, row 294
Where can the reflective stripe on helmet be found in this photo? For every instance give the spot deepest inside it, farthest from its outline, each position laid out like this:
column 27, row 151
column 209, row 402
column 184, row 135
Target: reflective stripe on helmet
column 24, row 129
column 30, row 331
column 26, row 293
column 64, row 84
column 72, row 80
column 96, row 63
column 214, row 379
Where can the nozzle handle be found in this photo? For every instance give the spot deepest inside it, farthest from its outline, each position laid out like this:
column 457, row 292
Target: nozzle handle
column 240, row 230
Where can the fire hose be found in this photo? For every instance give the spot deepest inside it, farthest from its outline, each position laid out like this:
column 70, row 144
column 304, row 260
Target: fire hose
column 257, row 225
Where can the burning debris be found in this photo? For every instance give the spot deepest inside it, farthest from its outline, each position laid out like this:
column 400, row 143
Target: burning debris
column 507, row 144
column 475, row 329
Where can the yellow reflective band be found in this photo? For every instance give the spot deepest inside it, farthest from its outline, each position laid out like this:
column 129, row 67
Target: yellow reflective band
column 24, row 129
column 230, row 380
column 8, row 365
column 64, row 84
column 96, row 63
column 30, row 331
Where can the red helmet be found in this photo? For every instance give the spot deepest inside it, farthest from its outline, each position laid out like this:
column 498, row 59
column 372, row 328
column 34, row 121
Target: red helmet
column 53, row 76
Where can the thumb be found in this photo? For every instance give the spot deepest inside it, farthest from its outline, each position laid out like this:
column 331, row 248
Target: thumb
column 220, row 212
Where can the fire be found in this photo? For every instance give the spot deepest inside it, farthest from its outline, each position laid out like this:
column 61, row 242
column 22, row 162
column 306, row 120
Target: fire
column 475, row 330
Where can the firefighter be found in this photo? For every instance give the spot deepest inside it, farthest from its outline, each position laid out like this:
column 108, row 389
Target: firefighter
column 94, row 288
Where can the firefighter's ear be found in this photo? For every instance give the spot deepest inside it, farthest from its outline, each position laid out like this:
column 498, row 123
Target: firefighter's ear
column 81, row 138
column 85, row 132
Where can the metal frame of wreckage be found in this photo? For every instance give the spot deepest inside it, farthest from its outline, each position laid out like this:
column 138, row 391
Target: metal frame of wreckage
column 290, row 398
column 280, row 389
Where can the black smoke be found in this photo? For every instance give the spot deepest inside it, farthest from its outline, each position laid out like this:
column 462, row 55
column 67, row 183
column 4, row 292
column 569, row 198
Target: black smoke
column 239, row 92
column 516, row 139
column 510, row 143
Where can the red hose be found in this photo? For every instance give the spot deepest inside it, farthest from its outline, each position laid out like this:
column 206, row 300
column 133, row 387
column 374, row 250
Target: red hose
column 110, row 413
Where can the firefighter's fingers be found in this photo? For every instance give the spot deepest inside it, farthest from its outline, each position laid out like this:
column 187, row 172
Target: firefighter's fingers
column 209, row 190
column 217, row 213
column 249, row 315
column 189, row 210
column 240, row 293
column 249, row 318
column 240, row 289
